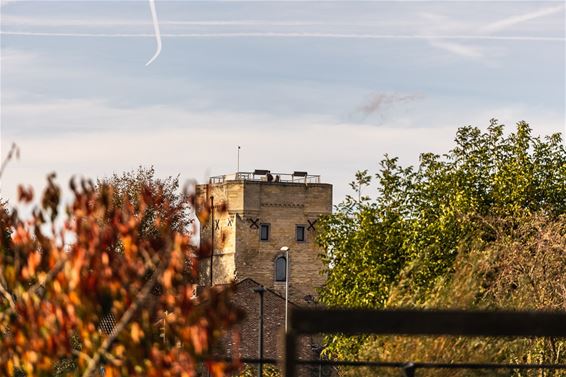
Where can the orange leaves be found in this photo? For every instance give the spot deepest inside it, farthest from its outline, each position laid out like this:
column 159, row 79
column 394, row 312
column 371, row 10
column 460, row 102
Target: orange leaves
column 136, row 332
column 10, row 367
column 167, row 277
column 105, row 259
column 218, row 369
column 33, row 261
column 203, row 214
column 202, row 208
column 73, row 269
column 199, row 337
column 119, row 351
column 110, row 372
column 21, row 340
column 21, row 236
column 119, row 240
column 31, row 356
column 130, row 246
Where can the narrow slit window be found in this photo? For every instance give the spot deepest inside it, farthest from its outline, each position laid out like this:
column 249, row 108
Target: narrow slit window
column 300, row 233
column 281, row 269
column 264, row 232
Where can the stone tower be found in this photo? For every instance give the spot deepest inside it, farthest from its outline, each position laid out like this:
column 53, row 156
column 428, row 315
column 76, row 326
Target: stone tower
column 264, row 212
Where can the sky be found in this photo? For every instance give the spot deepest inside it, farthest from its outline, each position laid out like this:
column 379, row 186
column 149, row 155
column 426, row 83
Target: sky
column 327, row 87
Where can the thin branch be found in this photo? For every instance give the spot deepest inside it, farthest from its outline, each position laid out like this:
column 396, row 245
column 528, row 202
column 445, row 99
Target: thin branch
column 14, row 150
column 7, row 294
column 127, row 316
column 54, row 271
column 51, row 274
column 79, row 353
column 147, row 258
column 113, row 359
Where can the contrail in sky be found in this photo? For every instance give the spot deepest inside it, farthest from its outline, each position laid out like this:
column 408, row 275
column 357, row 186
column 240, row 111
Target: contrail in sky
column 286, row 35
column 514, row 20
column 59, row 22
column 156, row 30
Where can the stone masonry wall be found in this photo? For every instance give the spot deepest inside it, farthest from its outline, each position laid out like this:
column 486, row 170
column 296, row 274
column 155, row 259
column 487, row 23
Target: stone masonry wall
column 283, row 206
column 239, row 252
column 224, row 267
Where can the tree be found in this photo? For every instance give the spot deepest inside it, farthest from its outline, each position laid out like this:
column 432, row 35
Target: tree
column 59, row 284
column 129, row 187
column 412, row 233
column 523, row 267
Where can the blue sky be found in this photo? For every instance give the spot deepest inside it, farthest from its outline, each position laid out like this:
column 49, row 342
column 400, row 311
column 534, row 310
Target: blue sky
column 328, row 86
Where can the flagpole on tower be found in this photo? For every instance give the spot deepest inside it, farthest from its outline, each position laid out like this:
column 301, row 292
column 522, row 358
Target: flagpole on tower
column 238, row 170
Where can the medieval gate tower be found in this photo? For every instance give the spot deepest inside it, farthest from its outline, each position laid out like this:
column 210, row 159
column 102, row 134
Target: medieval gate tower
column 264, row 212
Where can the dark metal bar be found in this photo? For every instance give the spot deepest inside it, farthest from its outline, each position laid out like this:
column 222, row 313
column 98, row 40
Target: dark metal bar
column 290, row 363
column 409, row 369
column 399, row 364
column 428, row 322
column 247, row 360
column 212, row 236
column 261, row 291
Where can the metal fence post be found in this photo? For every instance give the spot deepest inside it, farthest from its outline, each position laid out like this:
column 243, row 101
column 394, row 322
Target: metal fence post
column 261, row 291
column 409, row 370
column 289, row 366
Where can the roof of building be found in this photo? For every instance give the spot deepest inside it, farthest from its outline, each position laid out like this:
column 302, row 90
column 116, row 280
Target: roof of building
column 253, row 282
column 267, row 176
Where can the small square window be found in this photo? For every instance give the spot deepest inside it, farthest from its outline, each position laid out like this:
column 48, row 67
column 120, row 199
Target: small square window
column 300, row 233
column 264, row 232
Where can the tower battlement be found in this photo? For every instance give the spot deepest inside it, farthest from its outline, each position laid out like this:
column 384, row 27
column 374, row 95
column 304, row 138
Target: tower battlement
column 267, row 176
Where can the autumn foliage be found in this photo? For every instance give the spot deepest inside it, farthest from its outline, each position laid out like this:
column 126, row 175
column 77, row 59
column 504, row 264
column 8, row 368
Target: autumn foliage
column 107, row 284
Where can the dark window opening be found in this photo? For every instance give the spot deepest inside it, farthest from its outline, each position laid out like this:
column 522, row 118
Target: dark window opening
column 280, row 269
column 300, row 233
column 264, row 232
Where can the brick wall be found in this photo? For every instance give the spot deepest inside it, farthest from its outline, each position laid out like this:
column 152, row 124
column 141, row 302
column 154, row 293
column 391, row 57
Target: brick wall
column 273, row 326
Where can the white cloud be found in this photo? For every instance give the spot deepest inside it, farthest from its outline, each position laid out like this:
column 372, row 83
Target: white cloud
column 191, row 143
column 6, row 2
column 16, row 58
column 458, row 48
column 509, row 22
column 451, row 32
column 95, row 138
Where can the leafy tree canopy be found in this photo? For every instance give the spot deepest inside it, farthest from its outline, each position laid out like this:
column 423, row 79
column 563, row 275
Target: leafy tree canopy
column 414, row 229
column 136, row 186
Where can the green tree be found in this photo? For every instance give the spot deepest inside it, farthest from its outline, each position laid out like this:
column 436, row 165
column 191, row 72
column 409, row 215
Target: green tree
column 522, row 267
column 411, row 233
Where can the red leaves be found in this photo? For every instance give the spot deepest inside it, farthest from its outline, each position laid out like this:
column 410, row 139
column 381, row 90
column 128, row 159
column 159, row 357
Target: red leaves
column 51, row 197
column 113, row 246
column 25, row 194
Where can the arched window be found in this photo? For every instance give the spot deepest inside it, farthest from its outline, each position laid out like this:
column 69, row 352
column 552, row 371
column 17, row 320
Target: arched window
column 281, row 269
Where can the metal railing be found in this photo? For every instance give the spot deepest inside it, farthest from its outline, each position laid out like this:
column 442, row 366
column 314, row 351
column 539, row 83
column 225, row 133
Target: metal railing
column 269, row 177
column 418, row 322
